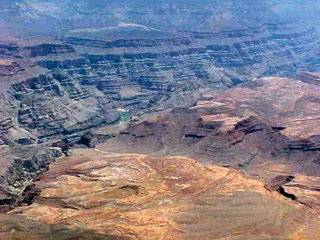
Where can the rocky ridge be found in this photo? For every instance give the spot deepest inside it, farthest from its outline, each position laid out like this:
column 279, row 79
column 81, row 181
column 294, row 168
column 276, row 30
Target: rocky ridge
column 269, row 119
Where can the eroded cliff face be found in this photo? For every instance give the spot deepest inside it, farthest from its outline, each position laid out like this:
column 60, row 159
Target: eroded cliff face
column 141, row 197
column 269, row 119
column 19, row 166
column 140, row 57
column 66, row 87
column 60, row 86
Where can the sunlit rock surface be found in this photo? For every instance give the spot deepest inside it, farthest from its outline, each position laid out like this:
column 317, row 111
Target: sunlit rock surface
column 142, row 197
column 268, row 119
column 70, row 69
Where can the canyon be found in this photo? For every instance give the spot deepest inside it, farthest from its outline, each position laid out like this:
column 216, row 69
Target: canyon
column 159, row 120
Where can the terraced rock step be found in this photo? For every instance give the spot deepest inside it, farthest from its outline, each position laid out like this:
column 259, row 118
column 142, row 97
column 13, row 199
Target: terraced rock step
column 268, row 119
column 73, row 88
column 60, row 83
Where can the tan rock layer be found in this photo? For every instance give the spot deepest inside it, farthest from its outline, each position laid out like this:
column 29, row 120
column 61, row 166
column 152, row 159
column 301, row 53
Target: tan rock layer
column 142, row 197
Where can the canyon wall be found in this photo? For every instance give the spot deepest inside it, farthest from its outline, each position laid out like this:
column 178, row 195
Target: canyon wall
column 76, row 83
column 67, row 67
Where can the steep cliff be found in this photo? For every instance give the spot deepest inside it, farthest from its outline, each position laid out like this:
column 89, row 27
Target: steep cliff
column 269, row 119
column 140, row 57
column 65, row 87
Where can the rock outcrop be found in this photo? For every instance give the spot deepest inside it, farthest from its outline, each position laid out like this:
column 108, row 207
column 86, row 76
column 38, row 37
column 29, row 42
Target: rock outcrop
column 142, row 197
column 19, row 166
column 269, row 119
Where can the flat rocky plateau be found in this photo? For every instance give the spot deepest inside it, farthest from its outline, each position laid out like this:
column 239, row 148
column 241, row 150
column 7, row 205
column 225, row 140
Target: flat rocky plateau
column 141, row 197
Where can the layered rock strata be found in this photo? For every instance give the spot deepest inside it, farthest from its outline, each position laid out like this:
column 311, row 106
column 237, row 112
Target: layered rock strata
column 19, row 166
column 269, row 119
column 76, row 84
